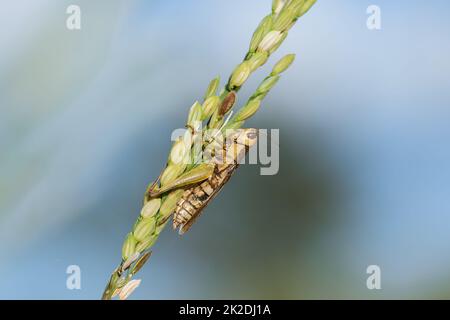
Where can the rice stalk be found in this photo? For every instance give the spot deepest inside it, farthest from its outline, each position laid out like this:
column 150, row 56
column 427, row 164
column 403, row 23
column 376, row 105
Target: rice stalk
column 155, row 213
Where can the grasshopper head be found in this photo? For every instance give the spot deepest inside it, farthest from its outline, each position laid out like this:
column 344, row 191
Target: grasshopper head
column 237, row 144
column 247, row 137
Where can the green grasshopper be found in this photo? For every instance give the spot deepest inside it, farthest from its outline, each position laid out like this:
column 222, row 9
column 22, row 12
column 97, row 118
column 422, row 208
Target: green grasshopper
column 205, row 181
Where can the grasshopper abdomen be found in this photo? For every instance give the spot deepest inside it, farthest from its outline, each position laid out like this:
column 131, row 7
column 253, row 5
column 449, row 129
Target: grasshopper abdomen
column 195, row 199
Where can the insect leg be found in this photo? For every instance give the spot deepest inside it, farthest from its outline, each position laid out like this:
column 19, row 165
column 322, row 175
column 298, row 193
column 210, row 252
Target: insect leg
column 196, row 175
column 151, row 188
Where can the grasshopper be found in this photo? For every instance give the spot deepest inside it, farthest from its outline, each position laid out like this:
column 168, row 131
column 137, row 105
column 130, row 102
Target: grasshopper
column 205, row 181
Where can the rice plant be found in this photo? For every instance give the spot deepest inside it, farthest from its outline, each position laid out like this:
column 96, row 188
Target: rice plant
column 214, row 111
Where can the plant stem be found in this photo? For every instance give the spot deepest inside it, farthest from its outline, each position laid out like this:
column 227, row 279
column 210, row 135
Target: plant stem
column 156, row 212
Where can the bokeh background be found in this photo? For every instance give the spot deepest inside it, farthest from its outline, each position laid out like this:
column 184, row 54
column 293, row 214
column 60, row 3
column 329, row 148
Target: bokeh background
column 85, row 123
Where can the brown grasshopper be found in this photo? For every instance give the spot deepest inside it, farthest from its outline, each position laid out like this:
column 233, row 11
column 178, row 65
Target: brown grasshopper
column 204, row 182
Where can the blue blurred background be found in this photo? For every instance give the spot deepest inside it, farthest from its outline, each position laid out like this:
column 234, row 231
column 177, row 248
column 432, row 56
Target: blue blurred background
column 85, row 123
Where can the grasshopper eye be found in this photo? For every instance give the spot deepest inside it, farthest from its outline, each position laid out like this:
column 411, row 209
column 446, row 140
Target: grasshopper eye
column 253, row 134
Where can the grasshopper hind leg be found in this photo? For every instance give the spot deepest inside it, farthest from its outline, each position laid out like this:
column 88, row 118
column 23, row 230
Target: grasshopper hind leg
column 187, row 179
